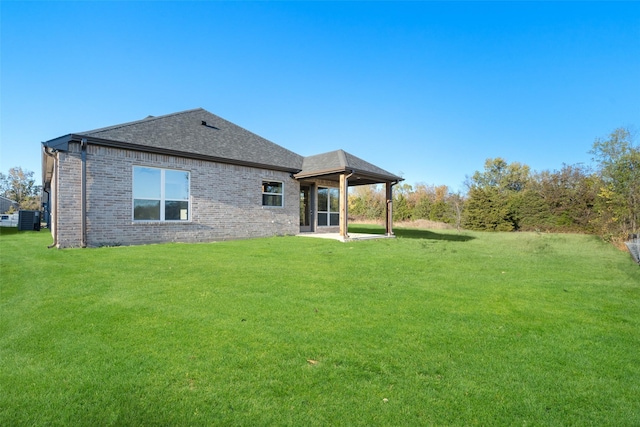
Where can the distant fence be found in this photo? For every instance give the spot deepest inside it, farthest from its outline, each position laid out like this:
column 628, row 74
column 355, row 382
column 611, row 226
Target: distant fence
column 634, row 247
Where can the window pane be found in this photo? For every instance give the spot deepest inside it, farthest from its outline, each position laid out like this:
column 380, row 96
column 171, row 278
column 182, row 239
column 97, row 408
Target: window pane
column 335, row 218
column 322, row 219
column 176, row 185
column 334, row 200
column 323, row 195
column 176, row 211
column 271, row 200
column 305, row 206
column 272, row 187
column 146, row 183
column 148, row 210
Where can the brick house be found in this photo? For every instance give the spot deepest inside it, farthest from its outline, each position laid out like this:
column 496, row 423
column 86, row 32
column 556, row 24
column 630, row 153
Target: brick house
column 193, row 177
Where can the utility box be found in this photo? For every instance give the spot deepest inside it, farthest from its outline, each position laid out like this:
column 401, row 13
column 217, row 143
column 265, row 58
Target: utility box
column 29, row 220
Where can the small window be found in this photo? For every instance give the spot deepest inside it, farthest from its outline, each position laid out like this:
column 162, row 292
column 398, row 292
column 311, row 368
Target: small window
column 160, row 194
column 272, row 194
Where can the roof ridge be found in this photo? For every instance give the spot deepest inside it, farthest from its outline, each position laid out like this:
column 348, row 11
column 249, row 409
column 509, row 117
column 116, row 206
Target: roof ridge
column 135, row 122
column 342, row 157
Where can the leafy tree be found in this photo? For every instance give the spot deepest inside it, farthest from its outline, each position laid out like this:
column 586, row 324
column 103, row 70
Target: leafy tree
column 530, row 211
column 502, row 175
column 423, row 202
column 568, row 198
column 440, row 209
column 618, row 202
column 20, row 187
column 487, row 209
column 367, row 202
column 402, row 206
column 493, row 200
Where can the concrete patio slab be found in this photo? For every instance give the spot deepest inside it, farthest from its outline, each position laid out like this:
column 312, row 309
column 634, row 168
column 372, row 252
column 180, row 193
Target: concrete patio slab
column 352, row 236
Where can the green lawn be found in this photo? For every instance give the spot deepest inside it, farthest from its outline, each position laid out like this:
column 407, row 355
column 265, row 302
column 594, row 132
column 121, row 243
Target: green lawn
column 431, row 328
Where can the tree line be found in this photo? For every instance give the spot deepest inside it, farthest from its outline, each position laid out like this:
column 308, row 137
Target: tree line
column 603, row 199
column 20, row 187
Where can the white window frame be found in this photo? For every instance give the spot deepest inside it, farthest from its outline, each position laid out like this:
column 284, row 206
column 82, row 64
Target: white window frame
column 281, row 194
column 162, row 198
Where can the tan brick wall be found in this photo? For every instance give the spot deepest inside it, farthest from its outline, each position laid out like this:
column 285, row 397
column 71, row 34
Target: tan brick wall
column 226, row 200
column 68, row 201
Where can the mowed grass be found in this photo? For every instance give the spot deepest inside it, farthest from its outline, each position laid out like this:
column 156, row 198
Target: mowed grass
column 431, row 328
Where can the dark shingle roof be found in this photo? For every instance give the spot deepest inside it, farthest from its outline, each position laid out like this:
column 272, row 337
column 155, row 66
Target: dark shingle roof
column 201, row 133
column 335, row 162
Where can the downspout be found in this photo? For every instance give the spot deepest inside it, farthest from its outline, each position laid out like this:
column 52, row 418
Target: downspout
column 83, row 191
column 346, row 190
column 55, row 228
column 389, row 225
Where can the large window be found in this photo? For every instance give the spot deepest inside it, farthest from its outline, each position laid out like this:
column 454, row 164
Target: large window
column 160, row 194
column 328, row 206
column 272, row 193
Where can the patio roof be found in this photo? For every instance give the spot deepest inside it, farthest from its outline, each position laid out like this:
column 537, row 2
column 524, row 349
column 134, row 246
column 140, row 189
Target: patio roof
column 332, row 165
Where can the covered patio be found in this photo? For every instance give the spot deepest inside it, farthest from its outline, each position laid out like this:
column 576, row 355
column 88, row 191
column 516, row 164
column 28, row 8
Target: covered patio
column 325, row 177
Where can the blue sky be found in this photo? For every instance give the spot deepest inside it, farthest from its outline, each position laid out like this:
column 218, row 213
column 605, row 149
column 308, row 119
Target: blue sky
column 428, row 90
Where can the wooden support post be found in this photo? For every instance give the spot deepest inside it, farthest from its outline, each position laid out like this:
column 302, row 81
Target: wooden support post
column 344, row 203
column 389, row 209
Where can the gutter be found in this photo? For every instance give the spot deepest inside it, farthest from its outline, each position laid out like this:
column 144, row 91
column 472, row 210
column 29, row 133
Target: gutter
column 55, row 227
column 350, row 175
column 83, row 192
column 324, row 172
column 62, row 144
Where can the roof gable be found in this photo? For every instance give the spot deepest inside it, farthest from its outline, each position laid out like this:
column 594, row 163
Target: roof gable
column 6, row 199
column 327, row 164
column 200, row 133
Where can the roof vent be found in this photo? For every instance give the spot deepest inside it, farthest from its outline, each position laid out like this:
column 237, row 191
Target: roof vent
column 204, row 123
